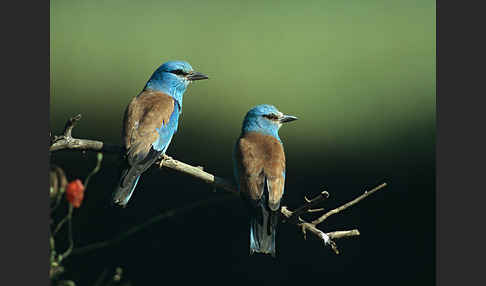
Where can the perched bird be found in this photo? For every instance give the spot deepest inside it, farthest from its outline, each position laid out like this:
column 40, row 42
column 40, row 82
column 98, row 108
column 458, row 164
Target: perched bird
column 150, row 121
column 259, row 170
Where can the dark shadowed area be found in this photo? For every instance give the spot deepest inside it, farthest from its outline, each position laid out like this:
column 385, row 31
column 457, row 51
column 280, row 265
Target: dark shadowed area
column 360, row 77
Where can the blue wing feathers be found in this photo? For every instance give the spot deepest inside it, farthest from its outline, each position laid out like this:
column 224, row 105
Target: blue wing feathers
column 166, row 131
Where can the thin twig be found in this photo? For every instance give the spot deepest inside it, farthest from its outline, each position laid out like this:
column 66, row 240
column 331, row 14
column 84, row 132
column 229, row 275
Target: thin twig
column 315, row 210
column 52, row 244
column 99, row 158
column 68, row 128
column 58, row 201
column 347, row 205
column 70, row 236
column 60, row 224
column 343, row 233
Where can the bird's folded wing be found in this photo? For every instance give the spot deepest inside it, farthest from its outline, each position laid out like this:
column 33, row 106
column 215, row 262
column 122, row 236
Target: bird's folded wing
column 144, row 117
column 249, row 169
column 261, row 162
column 275, row 172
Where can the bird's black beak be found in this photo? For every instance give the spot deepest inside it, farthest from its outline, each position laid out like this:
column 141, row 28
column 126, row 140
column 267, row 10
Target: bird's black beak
column 287, row 118
column 196, row 76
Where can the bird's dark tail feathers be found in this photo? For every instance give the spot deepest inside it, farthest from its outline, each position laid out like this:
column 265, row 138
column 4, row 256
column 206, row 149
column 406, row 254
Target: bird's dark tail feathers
column 130, row 173
column 263, row 228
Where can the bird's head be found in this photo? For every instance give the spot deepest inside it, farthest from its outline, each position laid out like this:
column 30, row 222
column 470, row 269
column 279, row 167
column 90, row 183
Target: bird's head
column 265, row 119
column 173, row 77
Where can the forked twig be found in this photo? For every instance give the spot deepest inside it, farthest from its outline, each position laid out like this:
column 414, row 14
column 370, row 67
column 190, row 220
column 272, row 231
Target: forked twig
column 307, row 207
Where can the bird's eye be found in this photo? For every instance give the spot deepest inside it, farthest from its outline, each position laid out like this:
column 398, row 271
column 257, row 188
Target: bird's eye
column 271, row 116
column 178, row 72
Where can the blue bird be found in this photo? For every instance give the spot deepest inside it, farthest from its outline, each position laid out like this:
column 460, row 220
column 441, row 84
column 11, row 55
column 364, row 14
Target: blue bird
column 150, row 121
column 259, row 170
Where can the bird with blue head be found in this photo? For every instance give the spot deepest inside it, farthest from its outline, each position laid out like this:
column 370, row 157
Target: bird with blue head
column 259, row 170
column 151, row 119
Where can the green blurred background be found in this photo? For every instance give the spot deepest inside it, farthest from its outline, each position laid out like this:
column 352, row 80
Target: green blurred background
column 360, row 75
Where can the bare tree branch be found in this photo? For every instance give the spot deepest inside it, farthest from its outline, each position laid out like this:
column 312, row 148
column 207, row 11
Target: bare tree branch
column 327, row 238
column 196, row 172
column 66, row 141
